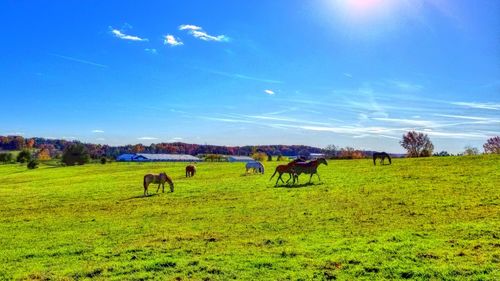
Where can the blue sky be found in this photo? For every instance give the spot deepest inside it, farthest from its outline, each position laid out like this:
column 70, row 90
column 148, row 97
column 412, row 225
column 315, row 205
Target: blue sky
column 352, row 73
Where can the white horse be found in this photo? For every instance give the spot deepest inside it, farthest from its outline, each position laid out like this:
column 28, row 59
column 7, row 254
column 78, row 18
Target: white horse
column 256, row 166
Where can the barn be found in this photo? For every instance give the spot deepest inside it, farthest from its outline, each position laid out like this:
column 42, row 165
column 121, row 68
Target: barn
column 233, row 158
column 147, row 157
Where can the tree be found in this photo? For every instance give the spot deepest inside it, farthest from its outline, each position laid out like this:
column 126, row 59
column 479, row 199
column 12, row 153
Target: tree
column 469, row 150
column 492, row 145
column 331, row 151
column 259, row 156
column 103, row 160
column 32, row 164
column 442, row 153
column 417, row 144
column 23, row 156
column 304, row 153
column 75, row 153
column 269, row 158
column 6, row 157
column 43, row 154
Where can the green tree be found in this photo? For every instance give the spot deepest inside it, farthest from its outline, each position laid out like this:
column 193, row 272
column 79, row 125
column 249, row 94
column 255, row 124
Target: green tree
column 23, row 156
column 75, row 153
column 32, row 164
column 6, row 157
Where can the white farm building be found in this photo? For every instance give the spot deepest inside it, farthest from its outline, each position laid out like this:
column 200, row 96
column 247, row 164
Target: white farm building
column 147, row 157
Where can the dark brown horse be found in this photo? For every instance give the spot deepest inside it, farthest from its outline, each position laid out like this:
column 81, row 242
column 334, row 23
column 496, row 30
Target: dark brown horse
column 381, row 156
column 160, row 179
column 286, row 169
column 310, row 168
column 190, row 171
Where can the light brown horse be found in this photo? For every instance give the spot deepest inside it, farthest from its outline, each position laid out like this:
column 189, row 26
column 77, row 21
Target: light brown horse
column 190, row 171
column 286, row 169
column 160, row 180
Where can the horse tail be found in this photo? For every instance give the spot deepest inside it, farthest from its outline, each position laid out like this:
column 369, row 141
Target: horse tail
column 275, row 171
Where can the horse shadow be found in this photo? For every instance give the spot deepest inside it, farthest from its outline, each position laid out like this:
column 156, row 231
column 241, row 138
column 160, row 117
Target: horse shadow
column 141, row 196
column 301, row 185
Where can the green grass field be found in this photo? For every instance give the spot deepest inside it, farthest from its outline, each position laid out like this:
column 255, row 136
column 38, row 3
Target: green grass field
column 429, row 218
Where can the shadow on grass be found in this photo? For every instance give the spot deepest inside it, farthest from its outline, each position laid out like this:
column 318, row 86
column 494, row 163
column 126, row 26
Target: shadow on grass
column 297, row 185
column 141, row 196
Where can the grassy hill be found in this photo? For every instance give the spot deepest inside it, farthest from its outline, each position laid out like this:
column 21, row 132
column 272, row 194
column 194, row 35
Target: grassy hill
column 432, row 218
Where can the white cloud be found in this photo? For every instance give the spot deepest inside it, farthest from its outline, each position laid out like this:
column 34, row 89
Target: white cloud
column 97, row 131
column 198, row 32
column 172, row 41
column 420, row 123
column 79, row 60
column 269, row 92
column 100, row 139
column 147, row 138
column 189, row 27
column 479, row 105
column 152, row 51
column 124, row 36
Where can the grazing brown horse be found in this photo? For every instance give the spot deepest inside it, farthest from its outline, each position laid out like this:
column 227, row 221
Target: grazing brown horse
column 286, row 169
column 310, row 167
column 190, row 171
column 160, row 180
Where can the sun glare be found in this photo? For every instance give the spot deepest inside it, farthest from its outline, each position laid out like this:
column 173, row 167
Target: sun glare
column 368, row 11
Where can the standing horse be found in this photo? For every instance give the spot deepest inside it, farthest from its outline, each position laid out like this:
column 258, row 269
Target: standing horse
column 256, row 166
column 310, row 167
column 382, row 156
column 190, row 171
column 160, row 180
column 286, row 169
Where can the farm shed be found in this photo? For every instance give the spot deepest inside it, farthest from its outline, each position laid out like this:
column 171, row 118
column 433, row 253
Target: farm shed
column 145, row 157
column 240, row 159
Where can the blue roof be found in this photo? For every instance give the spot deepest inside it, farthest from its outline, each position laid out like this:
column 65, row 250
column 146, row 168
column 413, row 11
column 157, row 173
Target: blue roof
column 157, row 157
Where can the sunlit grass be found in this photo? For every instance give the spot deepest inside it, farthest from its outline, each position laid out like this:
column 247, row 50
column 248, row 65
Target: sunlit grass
column 416, row 219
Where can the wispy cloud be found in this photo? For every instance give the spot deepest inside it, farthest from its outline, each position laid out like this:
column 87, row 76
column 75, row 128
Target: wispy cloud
column 468, row 117
column 411, row 122
column 79, row 60
column 172, row 41
column 198, row 32
column 119, row 34
column 147, row 138
column 348, row 75
column 151, row 51
column 479, row 105
column 242, row 76
column 98, row 131
column 269, row 92
column 405, row 86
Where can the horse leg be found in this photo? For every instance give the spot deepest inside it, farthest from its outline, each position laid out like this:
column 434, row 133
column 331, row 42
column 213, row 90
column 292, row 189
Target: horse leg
column 163, row 188
column 310, row 178
column 158, row 187
column 146, row 190
column 318, row 176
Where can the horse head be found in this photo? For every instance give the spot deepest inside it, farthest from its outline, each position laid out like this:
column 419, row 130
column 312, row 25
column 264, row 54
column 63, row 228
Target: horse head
column 322, row 161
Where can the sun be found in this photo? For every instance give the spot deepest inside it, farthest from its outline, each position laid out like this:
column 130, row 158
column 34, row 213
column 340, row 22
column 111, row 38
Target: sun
column 366, row 10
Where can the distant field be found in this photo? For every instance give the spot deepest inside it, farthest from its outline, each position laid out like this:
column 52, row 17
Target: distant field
column 432, row 218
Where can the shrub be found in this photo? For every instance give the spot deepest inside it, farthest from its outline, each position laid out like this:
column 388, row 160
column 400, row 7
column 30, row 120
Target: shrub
column 75, row 153
column 6, row 157
column 469, row 150
column 103, row 160
column 259, row 156
column 32, row 164
column 417, row 144
column 269, row 157
column 23, row 156
column 492, row 145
